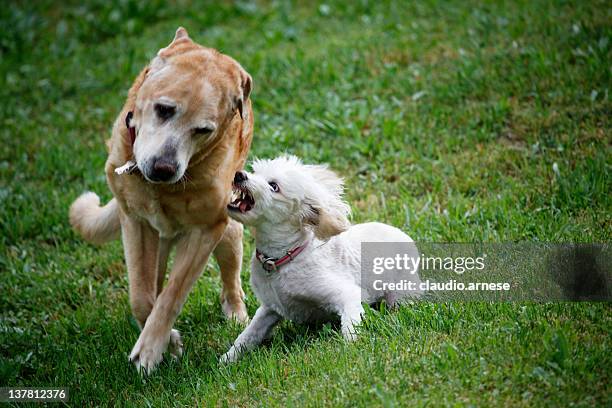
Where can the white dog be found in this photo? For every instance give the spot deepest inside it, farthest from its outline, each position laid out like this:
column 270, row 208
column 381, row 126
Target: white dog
column 307, row 266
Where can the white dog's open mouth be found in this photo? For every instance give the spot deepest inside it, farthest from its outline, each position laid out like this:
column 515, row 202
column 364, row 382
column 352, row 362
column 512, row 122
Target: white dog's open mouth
column 242, row 200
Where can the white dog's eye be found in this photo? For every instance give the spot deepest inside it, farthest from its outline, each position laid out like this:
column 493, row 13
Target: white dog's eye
column 274, row 186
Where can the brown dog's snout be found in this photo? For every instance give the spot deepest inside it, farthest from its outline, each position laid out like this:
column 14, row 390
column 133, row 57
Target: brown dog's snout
column 240, row 176
column 163, row 170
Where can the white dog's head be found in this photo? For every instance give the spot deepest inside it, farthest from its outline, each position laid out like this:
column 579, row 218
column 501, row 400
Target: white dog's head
column 285, row 191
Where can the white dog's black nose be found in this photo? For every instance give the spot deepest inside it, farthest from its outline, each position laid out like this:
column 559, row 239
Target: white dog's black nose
column 163, row 170
column 240, row 176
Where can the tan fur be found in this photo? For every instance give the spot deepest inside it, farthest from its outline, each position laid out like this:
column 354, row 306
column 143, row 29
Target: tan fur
column 190, row 214
column 329, row 224
column 96, row 224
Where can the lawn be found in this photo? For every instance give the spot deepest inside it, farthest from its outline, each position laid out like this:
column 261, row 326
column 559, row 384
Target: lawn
column 455, row 121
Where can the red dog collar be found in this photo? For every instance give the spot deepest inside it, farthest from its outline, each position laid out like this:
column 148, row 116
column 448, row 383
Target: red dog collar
column 131, row 129
column 272, row 264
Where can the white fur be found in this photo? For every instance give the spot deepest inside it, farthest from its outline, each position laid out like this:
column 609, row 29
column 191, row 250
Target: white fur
column 323, row 281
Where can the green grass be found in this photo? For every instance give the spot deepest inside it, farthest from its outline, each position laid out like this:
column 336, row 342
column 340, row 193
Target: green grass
column 446, row 120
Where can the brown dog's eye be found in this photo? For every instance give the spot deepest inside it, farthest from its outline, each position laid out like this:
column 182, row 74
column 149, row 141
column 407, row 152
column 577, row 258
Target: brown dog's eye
column 164, row 112
column 274, row 186
column 202, row 131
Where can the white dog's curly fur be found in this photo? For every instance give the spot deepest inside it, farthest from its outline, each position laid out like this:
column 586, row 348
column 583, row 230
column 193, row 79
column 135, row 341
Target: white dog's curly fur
column 290, row 204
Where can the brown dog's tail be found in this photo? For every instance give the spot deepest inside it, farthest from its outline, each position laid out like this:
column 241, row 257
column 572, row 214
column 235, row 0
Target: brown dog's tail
column 95, row 224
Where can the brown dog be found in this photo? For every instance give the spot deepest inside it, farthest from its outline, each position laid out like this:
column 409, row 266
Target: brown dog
column 184, row 131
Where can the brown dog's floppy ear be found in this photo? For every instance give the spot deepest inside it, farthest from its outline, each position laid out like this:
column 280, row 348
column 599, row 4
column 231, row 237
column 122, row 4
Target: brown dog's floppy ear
column 246, row 83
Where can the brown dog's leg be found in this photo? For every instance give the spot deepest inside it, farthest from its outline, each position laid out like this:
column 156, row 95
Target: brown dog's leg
column 192, row 252
column 175, row 346
column 229, row 256
column 165, row 245
column 141, row 247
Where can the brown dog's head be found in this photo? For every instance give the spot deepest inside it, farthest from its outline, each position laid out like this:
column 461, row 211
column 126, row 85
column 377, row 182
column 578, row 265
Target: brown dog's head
column 189, row 96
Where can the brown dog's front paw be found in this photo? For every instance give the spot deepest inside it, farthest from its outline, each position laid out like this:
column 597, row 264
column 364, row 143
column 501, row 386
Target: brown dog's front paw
column 148, row 352
column 234, row 309
column 175, row 346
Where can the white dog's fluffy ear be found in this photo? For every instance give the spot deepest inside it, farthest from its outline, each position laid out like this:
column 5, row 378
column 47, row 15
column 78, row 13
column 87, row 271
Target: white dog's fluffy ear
column 327, row 223
column 326, row 212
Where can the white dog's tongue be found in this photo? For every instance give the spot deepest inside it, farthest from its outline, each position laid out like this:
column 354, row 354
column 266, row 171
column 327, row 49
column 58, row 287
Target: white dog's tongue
column 243, row 206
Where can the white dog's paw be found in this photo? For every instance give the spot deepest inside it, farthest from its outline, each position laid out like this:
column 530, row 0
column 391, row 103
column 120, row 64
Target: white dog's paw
column 175, row 346
column 349, row 333
column 230, row 357
column 235, row 311
column 148, row 352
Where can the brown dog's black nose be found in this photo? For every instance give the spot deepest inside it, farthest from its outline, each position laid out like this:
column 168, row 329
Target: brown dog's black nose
column 240, row 177
column 163, row 170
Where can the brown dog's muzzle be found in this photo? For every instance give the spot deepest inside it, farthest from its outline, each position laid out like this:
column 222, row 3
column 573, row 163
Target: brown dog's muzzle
column 163, row 168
